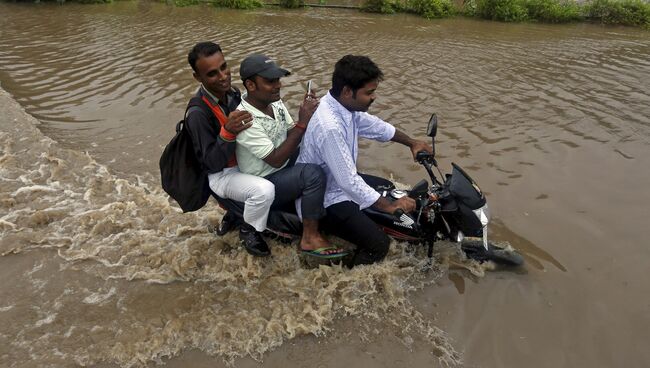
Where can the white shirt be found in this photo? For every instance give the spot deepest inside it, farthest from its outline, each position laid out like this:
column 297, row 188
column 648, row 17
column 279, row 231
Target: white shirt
column 265, row 135
column 331, row 141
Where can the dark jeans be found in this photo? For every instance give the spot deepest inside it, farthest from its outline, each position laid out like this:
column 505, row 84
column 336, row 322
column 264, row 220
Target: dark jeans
column 347, row 221
column 301, row 180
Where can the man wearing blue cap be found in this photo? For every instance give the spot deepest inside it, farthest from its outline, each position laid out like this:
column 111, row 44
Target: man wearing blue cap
column 265, row 149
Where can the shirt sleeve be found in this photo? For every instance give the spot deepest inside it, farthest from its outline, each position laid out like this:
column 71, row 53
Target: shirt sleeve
column 212, row 151
column 255, row 140
column 338, row 159
column 372, row 127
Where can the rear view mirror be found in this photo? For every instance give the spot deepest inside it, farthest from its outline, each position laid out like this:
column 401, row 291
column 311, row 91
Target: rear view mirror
column 432, row 128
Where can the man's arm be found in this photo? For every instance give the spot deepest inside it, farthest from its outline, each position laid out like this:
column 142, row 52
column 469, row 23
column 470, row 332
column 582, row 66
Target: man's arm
column 406, row 204
column 212, row 151
column 372, row 127
column 414, row 144
column 281, row 154
column 339, row 160
column 214, row 146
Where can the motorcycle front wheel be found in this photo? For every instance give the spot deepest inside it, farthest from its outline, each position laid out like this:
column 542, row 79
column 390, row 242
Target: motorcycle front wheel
column 474, row 249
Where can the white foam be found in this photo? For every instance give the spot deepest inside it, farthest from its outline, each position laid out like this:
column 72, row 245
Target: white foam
column 97, row 298
column 35, row 269
column 4, row 223
column 46, row 321
column 69, row 332
column 34, row 188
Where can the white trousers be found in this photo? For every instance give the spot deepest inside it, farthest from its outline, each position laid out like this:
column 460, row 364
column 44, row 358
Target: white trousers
column 256, row 192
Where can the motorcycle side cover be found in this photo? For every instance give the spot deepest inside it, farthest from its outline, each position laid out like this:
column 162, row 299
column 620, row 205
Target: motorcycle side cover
column 466, row 196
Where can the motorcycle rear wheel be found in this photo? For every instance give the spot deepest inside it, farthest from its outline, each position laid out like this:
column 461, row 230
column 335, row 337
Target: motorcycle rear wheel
column 474, row 249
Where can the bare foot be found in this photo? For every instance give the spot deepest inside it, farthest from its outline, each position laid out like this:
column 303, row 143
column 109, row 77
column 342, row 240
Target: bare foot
column 314, row 241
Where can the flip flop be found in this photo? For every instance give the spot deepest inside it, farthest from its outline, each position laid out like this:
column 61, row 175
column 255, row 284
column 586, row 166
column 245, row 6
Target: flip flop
column 323, row 252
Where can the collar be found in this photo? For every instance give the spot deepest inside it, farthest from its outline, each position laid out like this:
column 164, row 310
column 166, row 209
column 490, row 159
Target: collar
column 213, row 99
column 254, row 111
column 346, row 115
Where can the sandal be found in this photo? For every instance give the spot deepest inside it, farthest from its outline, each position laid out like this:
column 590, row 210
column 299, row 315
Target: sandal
column 325, row 252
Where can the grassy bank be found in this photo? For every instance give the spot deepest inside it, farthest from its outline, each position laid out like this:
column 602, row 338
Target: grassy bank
column 621, row 12
column 616, row 12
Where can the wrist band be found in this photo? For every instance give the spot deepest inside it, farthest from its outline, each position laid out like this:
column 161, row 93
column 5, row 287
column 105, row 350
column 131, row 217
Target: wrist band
column 226, row 135
column 300, row 126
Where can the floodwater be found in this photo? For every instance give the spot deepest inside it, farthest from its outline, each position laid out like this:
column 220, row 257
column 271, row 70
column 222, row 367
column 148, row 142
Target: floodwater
column 99, row 269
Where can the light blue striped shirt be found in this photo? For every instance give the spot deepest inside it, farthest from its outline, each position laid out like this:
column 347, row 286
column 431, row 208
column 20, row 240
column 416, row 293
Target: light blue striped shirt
column 331, row 141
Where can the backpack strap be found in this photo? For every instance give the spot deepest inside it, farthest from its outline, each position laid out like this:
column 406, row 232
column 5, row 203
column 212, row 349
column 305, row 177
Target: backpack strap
column 196, row 103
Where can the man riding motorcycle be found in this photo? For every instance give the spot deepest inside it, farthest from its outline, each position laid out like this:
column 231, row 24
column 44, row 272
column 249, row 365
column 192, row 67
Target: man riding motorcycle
column 332, row 143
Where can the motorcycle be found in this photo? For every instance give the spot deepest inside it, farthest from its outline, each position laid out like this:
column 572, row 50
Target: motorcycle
column 453, row 209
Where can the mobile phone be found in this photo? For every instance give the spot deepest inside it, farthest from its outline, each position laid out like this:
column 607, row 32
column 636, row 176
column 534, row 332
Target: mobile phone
column 309, row 87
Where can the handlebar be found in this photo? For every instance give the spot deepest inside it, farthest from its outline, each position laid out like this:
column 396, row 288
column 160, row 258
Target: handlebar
column 424, row 157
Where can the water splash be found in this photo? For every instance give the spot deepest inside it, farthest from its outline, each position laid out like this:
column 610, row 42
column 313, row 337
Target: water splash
column 136, row 280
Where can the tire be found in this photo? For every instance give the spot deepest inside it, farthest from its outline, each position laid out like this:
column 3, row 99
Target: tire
column 474, row 249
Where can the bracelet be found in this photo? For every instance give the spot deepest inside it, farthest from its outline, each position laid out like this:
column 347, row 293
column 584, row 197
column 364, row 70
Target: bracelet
column 300, row 126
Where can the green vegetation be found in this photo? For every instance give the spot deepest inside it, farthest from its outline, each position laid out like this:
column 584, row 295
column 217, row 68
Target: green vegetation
column 618, row 12
column 552, row 11
column 292, row 4
column 625, row 12
column 503, row 10
column 64, row 1
column 182, row 2
column 235, row 4
column 238, row 4
column 426, row 8
column 431, row 8
column 381, row 6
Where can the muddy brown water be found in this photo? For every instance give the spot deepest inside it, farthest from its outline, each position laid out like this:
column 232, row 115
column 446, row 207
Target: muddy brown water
column 99, row 269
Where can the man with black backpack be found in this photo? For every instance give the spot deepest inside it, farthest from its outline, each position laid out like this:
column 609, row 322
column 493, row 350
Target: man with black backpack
column 213, row 124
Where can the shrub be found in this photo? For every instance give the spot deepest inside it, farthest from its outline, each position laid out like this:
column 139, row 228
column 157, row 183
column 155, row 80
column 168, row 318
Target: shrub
column 183, row 2
column 626, row 12
column 381, row 6
column 553, row 11
column 503, row 10
column 238, row 4
column 292, row 4
column 431, row 8
column 468, row 8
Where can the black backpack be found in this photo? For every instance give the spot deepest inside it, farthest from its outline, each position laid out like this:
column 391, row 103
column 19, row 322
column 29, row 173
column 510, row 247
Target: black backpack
column 181, row 173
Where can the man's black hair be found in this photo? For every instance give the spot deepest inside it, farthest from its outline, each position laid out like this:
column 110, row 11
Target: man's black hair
column 354, row 71
column 202, row 49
